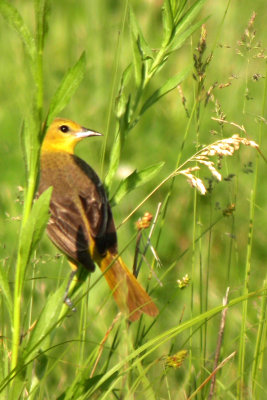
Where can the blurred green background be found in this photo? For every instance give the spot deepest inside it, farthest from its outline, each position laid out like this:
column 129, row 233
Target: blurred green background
column 96, row 27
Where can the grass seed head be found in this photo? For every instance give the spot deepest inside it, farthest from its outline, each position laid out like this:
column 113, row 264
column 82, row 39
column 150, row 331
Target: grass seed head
column 220, row 148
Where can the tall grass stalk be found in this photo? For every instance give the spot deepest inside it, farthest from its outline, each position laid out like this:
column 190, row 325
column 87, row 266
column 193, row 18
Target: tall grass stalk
column 243, row 334
column 32, row 136
column 95, row 353
column 260, row 341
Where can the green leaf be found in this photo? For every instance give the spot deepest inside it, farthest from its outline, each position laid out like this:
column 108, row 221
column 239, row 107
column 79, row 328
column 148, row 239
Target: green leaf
column 41, row 364
column 42, row 13
column 137, row 60
column 178, row 7
column 33, row 229
column 166, row 88
column 68, row 86
column 151, row 345
column 183, row 28
column 46, row 322
column 23, row 147
column 6, row 291
column 83, row 384
column 126, row 75
column 189, row 16
column 168, row 22
column 31, row 141
column 137, row 33
column 134, row 180
column 122, row 111
column 121, row 100
column 180, row 39
column 52, row 315
column 14, row 19
column 142, row 54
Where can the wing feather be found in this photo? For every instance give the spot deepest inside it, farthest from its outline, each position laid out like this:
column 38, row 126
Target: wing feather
column 80, row 213
column 68, row 233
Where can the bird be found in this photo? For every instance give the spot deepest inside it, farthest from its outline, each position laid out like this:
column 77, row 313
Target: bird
column 81, row 224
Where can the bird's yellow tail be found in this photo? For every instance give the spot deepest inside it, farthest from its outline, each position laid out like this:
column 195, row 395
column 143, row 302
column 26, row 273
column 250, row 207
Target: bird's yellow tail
column 127, row 291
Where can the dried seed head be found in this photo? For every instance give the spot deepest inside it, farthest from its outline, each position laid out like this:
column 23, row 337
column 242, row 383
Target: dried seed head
column 224, row 85
column 227, row 147
column 220, row 148
column 229, row 210
column 176, row 360
column 210, row 165
column 203, row 39
column 144, row 222
column 184, row 282
column 193, row 180
column 183, row 98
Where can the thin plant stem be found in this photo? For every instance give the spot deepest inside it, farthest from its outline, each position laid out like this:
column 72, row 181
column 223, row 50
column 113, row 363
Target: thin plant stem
column 167, row 198
column 114, row 82
column 83, row 324
column 262, row 319
column 219, row 343
column 37, row 65
column 204, row 383
column 242, row 346
column 18, row 277
column 260, row 342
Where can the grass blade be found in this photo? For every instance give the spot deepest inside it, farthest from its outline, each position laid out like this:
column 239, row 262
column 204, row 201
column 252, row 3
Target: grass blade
column 166, row 88
column 188, row 17
column 47, row 320
column 34, row 228
column 135, row 180
column 114, row 161
column 42, row 12
column 143, row 351
column 168, row 22
column 14, row 19
column 180, row 39
column 6, row 291
column 68, row 86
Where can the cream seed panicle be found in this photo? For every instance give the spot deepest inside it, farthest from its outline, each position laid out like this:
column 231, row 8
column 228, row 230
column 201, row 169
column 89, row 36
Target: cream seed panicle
column 220, row 148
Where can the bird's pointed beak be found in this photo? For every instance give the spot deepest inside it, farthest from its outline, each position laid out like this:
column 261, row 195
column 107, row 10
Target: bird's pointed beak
column 85, row 132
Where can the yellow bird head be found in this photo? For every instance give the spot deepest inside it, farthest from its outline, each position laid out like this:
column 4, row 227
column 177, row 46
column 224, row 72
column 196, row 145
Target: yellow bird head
column 64, row 134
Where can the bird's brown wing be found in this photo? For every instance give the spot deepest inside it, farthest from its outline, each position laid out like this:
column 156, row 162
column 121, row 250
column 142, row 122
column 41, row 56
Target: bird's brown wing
column 97, row 209
column 80, row 213
column 67, row 231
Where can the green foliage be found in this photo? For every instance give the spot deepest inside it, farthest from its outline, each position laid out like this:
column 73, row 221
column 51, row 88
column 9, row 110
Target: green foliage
column 35, row 217
column 6, row 293
column 130, row 106
column 47, row 321
column 173, row 95
column 171, row 84
column 134, row 180
column 67, row 88
column 15, row 20
column 33, row 229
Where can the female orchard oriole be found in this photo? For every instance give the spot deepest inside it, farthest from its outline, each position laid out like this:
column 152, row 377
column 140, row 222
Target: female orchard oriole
column 81, row 223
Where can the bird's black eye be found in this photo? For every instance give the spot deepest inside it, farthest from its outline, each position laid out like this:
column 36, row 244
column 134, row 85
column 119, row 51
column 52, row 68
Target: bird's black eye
column 64, row 128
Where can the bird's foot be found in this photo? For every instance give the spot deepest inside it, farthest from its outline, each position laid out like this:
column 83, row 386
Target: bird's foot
column 69, row 303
